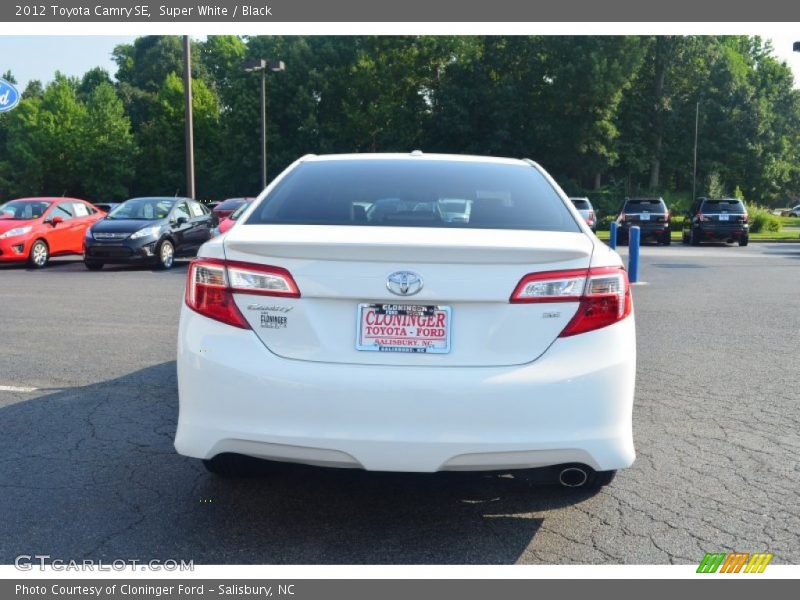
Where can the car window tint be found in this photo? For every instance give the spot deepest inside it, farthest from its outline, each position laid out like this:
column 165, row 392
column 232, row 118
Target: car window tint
column 581, row 204
column 181, row 211
column 722, row 206
column 634, row 206
column 197, row 210
column 22, row 210
column 63, row 210
column 230, row 204
column 80, row 209
column 411, row 193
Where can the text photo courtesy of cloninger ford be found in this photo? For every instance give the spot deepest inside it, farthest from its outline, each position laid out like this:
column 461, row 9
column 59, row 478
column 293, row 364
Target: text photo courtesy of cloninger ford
column 399, row 300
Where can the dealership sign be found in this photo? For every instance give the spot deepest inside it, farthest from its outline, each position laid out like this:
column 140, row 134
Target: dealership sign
column 9, row 96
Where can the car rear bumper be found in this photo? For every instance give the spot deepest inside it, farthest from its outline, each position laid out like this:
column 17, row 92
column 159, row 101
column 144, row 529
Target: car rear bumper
column 646, row 228
column 722, row 232
column 572, row 405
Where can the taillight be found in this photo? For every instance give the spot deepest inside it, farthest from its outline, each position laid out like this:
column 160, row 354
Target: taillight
column 211, row 283
column 603, row 294
column 702, row 217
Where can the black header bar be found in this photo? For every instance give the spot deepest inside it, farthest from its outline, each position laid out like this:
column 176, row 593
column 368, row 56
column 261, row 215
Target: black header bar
column 441, row 11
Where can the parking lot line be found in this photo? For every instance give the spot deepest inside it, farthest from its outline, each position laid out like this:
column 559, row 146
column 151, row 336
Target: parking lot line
column 17, row 388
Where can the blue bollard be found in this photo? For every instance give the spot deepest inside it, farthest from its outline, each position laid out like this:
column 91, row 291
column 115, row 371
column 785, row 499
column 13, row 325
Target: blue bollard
column 612, row 237
column 633, row 254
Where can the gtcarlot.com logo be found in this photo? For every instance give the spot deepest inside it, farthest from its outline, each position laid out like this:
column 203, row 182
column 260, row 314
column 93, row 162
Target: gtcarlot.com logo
column 27, row 562
column 735, row 562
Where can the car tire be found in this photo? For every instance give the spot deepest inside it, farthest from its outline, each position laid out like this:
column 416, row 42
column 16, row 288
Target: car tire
column 93, row 266
column 666, row 239
column 39, row 254
column 743, row 241
column 166, row 255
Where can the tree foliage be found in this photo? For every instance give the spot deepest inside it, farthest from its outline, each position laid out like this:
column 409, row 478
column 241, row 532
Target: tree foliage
column 609, row 113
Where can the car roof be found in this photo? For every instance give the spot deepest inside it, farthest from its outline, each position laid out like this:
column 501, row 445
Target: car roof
column 176, row 198
column 47, row 199
column 415, row 155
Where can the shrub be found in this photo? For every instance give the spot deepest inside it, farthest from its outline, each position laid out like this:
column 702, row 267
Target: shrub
column 761, row 220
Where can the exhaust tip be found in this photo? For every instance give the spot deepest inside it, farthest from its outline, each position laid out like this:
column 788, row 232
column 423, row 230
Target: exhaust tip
column 573, row 476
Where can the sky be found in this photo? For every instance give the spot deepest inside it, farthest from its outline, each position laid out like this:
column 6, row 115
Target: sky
column 39, row 57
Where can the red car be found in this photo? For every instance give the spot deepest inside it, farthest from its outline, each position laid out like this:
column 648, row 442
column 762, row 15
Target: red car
column 227, row 207
column 34, row 229
column 228, row 222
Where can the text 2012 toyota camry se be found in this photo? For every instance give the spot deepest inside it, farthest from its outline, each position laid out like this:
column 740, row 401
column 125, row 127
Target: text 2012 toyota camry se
column 409, row 312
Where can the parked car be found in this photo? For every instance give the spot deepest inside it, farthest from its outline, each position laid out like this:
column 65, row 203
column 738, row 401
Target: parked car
column 35, row 229
column 148, row 230
column 106, row 207
column 227, row 207
column 716, row 220
column 794, row 211
column 587, row 211
column 228, row 222
column 652, row 217
column 318, row 332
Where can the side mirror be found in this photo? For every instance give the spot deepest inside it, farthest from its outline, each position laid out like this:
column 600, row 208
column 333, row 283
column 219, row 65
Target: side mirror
column 181, row 221
column 56, row 221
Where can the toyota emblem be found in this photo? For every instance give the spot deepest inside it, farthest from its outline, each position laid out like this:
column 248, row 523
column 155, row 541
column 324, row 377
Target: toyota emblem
column 404, row 283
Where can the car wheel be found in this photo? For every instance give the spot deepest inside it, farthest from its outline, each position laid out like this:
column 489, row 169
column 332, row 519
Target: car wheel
column 93, row 266
column 166, row 255
column 666, row 239
column 39, row 255
column 744, row 240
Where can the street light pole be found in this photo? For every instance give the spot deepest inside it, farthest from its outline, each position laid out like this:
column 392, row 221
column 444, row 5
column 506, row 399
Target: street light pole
column 263, row 65
column 696, row 127
column 188, row 125
column 263, row 128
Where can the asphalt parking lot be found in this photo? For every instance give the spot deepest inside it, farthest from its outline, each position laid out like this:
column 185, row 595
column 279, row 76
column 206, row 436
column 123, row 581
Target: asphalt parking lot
column 89, row 471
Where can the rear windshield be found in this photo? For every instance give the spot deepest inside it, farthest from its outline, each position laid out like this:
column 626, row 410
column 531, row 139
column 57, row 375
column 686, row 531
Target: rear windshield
column 711, row 207
column 416, row 193
column 581, row 204
column 640, row 206
column 230, row 203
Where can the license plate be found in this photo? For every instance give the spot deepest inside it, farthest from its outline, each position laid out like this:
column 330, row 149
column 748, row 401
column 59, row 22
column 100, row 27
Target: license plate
column 403, row 328
column 644, row 217
column 723, row 217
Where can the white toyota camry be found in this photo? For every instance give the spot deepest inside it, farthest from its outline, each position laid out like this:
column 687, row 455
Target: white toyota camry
column 409, row 312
